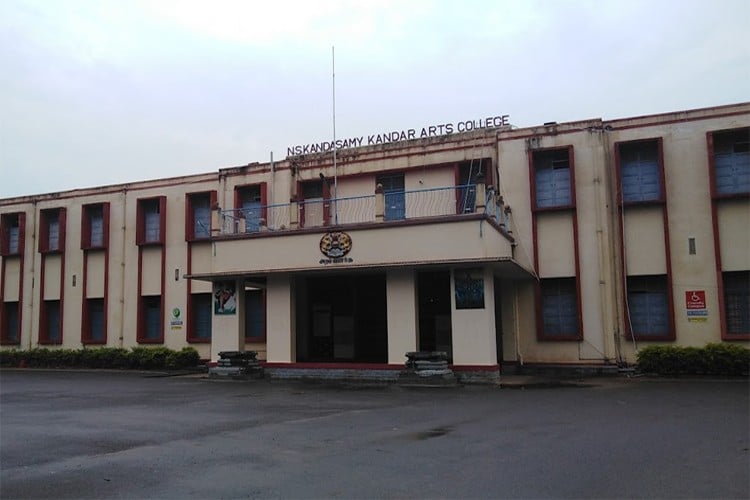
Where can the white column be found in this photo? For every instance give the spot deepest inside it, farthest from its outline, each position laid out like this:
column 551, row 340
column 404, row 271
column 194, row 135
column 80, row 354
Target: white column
column 401, row 291
column 473, row 330
column 228, row 330
column 280, row 320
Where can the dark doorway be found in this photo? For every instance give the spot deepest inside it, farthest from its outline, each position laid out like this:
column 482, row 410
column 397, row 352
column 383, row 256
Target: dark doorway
column 345, row 320
column 498, row 321
column 434, row 294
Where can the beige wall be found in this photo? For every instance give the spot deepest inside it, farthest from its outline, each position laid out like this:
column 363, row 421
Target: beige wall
column 426, row 165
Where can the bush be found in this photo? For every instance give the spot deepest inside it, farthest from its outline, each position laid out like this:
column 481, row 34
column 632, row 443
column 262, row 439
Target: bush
column 145, row 358
column 713, row 359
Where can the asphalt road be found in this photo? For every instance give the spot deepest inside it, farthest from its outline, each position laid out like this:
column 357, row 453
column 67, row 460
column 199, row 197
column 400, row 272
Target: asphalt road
column 123, row 435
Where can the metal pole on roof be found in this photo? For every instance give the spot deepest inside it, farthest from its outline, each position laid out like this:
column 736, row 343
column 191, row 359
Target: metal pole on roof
column 335, row 170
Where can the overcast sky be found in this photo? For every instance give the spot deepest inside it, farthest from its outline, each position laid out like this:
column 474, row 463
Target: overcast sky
column 103, row 92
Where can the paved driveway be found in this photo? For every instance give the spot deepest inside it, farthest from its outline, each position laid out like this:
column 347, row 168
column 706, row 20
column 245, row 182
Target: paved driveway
column 123, row 435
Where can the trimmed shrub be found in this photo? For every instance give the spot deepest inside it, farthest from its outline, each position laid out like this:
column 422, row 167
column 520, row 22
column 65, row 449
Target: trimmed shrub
column 145, row 358
column 713, row 359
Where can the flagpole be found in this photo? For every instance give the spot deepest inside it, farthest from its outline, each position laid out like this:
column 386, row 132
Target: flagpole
column 335, row 170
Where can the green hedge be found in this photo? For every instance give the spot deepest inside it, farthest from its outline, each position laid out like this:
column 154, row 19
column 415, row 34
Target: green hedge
column 144, row 358
column 713, row 359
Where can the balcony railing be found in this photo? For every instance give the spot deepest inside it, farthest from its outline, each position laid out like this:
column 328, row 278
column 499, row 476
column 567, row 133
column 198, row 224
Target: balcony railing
column 382, row 206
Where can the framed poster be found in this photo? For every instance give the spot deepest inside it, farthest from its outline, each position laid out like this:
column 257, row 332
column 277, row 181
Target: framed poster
column 225, row 298
column 469, row 284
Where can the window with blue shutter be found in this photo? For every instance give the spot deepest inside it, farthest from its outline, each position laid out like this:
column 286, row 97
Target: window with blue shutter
column 393, row 192
column 251, row 203
column 255, row 316
column 96, row 319
column 732, row 161
column 737, row 302
column 552, row 180
column 647, row 306
column 52, row 324
column 640, row 177
column 10, row 323
column 559, row 307
column 151, row 317
column 201, row 311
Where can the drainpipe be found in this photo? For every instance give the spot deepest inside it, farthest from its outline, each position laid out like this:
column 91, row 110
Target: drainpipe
column 33, row 252
column 121, row 337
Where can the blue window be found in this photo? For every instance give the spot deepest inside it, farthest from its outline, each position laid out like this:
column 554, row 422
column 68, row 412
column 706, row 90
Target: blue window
column 640, row 177
column 552, row 178
column 10, row 323
column 732, row 161
column 559, row 308
column 151, row 318
column 96, row 219
column 201, row 310
column 255, row 316
column 202, row 217
column 647, row 306
column 96, row 320
column 251, row 204
column 393, row 192
column 737, row 302
column 52, row 332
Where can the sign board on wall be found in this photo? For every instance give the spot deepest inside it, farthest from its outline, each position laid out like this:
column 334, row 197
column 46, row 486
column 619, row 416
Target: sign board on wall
column 695, row 306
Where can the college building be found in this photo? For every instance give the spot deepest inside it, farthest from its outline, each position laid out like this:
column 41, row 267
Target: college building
column 564, row 243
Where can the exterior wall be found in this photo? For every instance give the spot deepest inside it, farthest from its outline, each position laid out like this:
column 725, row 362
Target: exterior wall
column 594, row 241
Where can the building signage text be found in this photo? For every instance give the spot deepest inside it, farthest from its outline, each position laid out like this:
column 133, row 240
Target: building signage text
column 399, row 135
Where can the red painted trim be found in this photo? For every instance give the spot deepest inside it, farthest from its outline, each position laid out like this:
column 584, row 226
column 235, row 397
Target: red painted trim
column 613, row 123
column 105, row 304
column 44, row 216
column 141, row 314
column 715, row 201
column 475, row 368
column 85, row 318
column 140, row 231
column 6, row 222
column 190, row 213
column 662, row 205
column 333, row 366
column 540, row 336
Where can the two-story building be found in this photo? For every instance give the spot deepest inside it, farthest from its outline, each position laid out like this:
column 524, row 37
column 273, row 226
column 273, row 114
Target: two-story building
column 570, row 243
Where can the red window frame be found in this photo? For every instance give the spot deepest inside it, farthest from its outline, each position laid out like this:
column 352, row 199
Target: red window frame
column 86, row 226
column 44, row 338
column 4, row 337
column 190, row 213
column 86, row 322
column 710, row 139
column 191, row 337
column 141, row 337
column 140, row 232
column 6, row 222
column 532, row 179
column 262, row 337
column 45, row 216
column 541, row 334
column 660, row 158
column 243, row 188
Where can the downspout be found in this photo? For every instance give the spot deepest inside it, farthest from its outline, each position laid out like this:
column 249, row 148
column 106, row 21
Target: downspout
column 121, row 337
column 517, row 326
column 33, row 274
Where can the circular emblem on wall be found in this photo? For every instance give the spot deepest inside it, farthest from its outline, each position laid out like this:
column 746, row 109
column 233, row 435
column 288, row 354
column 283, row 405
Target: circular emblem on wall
column 335, row 245
column 176, row 312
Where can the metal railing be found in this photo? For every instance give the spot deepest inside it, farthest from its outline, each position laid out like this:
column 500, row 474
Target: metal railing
column 397, row 205
column 253, row 220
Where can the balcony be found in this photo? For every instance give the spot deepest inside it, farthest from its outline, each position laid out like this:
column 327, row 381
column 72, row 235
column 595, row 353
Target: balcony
column 381, row 207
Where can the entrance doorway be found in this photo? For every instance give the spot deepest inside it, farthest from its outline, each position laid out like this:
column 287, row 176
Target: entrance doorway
column 434, row 296
column 342, row 319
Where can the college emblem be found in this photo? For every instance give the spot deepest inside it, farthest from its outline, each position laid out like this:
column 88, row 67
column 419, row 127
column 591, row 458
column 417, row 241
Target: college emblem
column 335, row 245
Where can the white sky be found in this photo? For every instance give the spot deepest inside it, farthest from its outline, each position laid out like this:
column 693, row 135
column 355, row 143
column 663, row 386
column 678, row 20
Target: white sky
column 102, row 92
